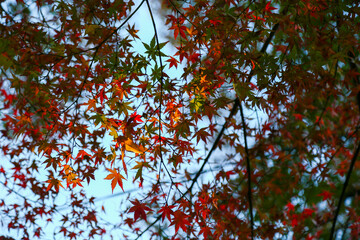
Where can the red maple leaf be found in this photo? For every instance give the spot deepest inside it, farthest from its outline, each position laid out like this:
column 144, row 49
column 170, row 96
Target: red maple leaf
column 166, row 212
column 173, row 62
column 139, row 209
column 268, row 8
column 326, row 195
column 180, row 220
column 134, row 117
column 290, row 207
column 298, row 116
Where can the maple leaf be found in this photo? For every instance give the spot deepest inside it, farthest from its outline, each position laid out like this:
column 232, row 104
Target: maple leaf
column 116, row 178
column 82, row 153
column 202, row 134
column 191, row 31
column 139, row 209
column 205, row 231
column 166, row 211
column 139, row 166
column 307, row 212
column 180, row 220
column 294, row 221
column 268, row 8
column 75, row 182
column 131, row 30
column 128, row 145
column 53, row 182
column 91, row 104
column 325, row 195
column 298, row 116
column 133, row 147
column 290, row 207
column 194, row 57
column 173, row 62
column 179, row 29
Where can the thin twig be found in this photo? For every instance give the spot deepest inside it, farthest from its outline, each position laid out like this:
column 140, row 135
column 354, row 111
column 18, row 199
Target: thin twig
column 161, row 95
column 248, row 169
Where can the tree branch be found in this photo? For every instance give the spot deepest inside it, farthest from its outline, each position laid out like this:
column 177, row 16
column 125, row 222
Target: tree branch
column 346, row 183
column 248, row 170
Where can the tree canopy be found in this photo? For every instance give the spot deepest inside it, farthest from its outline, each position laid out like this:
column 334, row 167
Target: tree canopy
column 242, row 124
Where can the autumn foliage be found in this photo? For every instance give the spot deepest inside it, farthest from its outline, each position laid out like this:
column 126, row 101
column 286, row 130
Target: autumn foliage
column 242, row 124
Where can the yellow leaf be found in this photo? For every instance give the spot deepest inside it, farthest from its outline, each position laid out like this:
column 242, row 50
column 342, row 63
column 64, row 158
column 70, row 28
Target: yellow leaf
column 132, row 147
column 191, row 31
column 113, row 132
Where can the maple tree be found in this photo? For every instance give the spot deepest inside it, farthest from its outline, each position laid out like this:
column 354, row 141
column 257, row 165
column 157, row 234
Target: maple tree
column 243, row 124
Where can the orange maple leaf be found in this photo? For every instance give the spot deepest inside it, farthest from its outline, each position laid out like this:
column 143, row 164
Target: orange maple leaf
column 116, row 178
column 54, row 182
